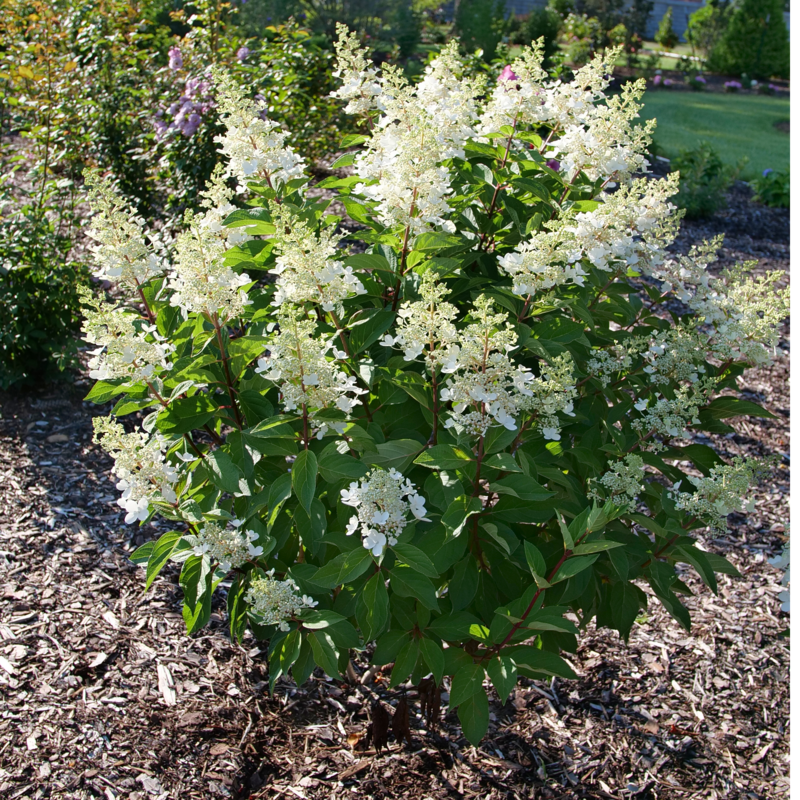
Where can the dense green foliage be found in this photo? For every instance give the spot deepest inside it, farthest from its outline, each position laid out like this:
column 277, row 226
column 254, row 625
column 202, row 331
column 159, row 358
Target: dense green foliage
column 755, row 41
column 772, row 188
column 544, row 23
column 705, row 180
column 481, row 24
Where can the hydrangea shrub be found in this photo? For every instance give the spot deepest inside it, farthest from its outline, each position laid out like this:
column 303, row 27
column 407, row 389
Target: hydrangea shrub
column 460, row 441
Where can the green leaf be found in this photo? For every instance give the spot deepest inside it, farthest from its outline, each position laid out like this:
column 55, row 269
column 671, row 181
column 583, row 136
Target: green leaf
column 372, row 610
column 224, row 473
column 416, row 559
column 521, row 486
column 597, row 546
column 283, row 656
column 536, row 564
column 530, row 661
column 453, row 627
column 160, row 554
column 317, row 620
column 103, row 391
column 407, row 582
column 334, row 467
column 388, row 646
column 237, row 608
column 444, row 456
column 304, row 477
column 466, row 682
column 458, row 512
column 397, row 454
column 404, row 663
column 503, row 461
column 717, row 563
column 325, row 653
column 697, row 558
column 503, row 673
column 624, row 607
column 195, row 581
column 141, row 555
column 304, row 666
column 344, row 160
column 343, row 568
column 725, row 407
column 353, row 139
column 256, row 407
column 437, row 241
column 473, row 714
column 461, row 589
column 186, row 414
column 365, row 331
column 572, row 566
column 434, row 658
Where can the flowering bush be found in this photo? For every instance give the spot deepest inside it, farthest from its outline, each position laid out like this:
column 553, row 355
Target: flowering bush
column 450, row 442
column 732, row 86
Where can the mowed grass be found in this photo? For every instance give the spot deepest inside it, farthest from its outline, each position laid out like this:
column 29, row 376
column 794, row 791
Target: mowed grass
column 735, row 125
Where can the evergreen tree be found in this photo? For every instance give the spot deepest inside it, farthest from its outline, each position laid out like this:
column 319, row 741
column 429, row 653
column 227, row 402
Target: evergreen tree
column 665, row 35
column 755, row 42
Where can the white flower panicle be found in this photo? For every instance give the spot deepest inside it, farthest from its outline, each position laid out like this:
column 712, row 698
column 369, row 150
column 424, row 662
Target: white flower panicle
column 305, row 268
column 275, row 602
column 744, row 312
column 520, row 98
column 140, row 464
column 487, row 388
column 722, row 492
column 667, row 417
column 420, row 127
column 122, row 253
column 629, row 229
column 624, row 478
column 128, row 348
column 229, row 546
column 609, row 145
column 200, row 280
column 255, row 146
column 425, row 327
column 299, row 365
column 383, row 501
column 360, row 85
column 544, row 261
column 676, row 354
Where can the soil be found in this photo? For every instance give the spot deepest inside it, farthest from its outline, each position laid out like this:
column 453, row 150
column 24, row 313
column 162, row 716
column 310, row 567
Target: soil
column 104, row 695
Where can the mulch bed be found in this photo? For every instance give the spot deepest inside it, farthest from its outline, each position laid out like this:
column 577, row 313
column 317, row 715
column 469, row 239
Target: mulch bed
column 104, row 696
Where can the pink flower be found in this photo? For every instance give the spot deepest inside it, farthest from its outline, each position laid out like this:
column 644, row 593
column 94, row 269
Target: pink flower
column 175, row 58
column 657, row 80
column 507, row 74
column 553, row 164
column 243, row 52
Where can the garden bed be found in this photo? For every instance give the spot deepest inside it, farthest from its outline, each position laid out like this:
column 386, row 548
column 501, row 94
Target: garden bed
column 106, row 697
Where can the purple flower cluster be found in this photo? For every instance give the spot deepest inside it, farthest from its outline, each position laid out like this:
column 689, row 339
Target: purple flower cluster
column 732, row 86
column 187, row 111
column 699, row 79
column 243, row 52
column 175, row 59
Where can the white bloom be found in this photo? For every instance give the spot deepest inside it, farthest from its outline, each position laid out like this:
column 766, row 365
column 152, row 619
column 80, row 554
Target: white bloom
column 274, row 602
column 128, row 348
column 200, row 280
column 298, row 365
column 383, row 500
column 139, row 462
column 122, row 253
column 255, row 146
column 304, row 267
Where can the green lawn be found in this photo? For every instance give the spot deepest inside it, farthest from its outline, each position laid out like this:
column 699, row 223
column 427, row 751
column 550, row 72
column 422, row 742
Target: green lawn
column 736, row 125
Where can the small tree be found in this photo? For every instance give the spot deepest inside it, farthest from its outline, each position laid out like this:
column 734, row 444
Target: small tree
column 544, row 23
column 665, row 35
column 706, row 26
column 756, row 41
column 481, row 24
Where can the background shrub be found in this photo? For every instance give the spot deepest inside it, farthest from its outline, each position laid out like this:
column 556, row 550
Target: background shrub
column 705, row 180
column 772, row 188
column 754, row 41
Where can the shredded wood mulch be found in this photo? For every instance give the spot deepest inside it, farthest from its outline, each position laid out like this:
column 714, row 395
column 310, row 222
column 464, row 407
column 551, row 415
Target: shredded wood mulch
column 104, row 696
